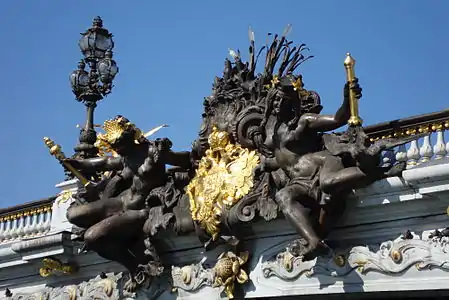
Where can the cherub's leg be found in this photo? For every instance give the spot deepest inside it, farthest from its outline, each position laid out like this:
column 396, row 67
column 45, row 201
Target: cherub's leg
column 330, row 214
column 298, row 213
column 109, row 237
column 89, row 214
column 336, row 180
column 334, row 177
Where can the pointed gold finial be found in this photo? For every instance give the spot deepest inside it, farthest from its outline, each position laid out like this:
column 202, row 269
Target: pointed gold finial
column 56, row 151
column 355, row 119
column 349, row 60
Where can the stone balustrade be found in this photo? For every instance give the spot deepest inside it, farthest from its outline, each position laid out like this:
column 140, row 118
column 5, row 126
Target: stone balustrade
column 433, row 146
column 26, row 222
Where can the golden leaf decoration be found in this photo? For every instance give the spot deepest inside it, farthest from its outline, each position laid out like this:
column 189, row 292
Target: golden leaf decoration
column 224, row 176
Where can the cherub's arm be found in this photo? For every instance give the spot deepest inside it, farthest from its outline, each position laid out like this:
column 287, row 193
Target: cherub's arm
column 323, row 123
column 96, row 164
column 181, row 159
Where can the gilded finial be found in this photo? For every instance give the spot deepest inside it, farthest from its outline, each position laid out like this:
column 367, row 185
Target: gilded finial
column 349, row 64
column 349, row 60
column 56, row 151
column 218, row 139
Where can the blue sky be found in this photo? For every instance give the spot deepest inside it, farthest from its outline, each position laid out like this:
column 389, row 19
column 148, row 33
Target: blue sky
column 169, row 52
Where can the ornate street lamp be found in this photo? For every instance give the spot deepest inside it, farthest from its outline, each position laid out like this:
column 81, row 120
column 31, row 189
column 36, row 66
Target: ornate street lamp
column 91, row 86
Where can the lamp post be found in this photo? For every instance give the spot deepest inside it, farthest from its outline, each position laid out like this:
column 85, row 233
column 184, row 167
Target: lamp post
column 91, row 86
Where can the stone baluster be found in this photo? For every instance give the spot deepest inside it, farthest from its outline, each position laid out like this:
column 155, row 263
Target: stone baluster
column 13, row 228
column 20, row 225
column 446, row 127
column 34, row 225
column 40, row 222
column 2, row 229
column 439, row 148
column 447, row 149
column 7, row 232
column 27, row 229
column 426, row 151
column 413, row 154
column 388, row 158
column 47, row 223
column 401, row 154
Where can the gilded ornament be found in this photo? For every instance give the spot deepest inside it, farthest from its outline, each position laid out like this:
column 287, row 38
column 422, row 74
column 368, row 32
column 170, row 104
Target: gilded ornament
column 438, row 127
column 25, row 213
column 275, row 81
column 223, row 177
column 423, row 129
column 187, row 274
column 51, row 266
column 410, row 131
column 107, row 285
column 287, row 261
column 298, row 86
column 396, row 256
column 72, row 293
column 113, row 130
column 349, row 64
column 360, row 265
column 340, row 260
column 228, row 269
column 56, row 151
column 65, row 196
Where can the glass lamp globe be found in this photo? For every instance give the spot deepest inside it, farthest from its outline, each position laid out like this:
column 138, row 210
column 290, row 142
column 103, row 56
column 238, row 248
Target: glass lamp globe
column 96, row 41
column 107, row 68
column 79, row 79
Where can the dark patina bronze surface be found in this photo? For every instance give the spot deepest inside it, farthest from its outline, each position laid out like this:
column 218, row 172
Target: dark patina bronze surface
column 305, row 172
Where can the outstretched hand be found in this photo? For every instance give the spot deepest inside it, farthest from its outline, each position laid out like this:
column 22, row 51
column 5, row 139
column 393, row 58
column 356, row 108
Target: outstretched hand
column 354, row 86
column 163, row 144
column 89, row 193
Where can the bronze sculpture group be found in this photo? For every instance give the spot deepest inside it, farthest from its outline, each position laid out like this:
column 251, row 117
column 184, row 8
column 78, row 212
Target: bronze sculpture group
column 263, row 150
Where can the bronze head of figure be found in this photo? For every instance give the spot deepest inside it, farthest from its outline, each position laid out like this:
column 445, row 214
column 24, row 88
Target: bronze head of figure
column 289, row 100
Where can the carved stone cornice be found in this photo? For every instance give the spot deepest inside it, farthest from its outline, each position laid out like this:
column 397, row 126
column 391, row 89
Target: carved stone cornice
column 389, row 258
column 103, row 287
